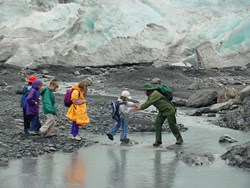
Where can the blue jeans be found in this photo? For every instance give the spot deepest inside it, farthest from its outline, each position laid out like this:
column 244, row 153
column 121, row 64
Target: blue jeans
column 35, row 123
column 120, row 121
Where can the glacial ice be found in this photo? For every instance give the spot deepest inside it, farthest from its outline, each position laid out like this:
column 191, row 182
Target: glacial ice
column 110, row 32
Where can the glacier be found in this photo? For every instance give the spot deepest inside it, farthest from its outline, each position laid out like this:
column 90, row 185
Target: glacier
column 207, row 33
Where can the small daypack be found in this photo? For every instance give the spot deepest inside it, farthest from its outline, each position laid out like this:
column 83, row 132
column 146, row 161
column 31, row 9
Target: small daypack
column 166, row 91
column 114, row 108
column 25, row 93
column 67, row 97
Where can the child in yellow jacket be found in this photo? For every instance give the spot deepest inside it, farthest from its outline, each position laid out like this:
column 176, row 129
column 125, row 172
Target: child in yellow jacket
column 77, row 112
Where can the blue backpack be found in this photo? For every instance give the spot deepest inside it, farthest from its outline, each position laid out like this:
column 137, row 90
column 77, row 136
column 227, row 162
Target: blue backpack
column 25, row 93
column 114, row 108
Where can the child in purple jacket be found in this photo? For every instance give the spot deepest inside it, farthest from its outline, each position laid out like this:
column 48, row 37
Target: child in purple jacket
column 32, row 108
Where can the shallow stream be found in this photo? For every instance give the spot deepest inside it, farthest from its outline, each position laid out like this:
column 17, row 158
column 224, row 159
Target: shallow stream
column 107, row 164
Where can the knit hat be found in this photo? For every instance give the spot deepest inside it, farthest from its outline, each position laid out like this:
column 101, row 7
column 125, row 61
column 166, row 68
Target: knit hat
column 32, row 78
column 126, row 94
column 156, row 81
column 148, row 86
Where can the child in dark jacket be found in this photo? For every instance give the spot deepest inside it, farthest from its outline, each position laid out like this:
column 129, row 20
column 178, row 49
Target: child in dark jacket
column 32, row 109
column 24, row 92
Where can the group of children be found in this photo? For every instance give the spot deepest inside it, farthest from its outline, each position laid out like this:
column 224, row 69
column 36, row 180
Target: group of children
column 31, row 99
column 30, row 104
column 77, row 111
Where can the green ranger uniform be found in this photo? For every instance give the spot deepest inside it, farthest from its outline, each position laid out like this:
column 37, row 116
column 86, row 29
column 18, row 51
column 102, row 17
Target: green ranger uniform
column 166, row 110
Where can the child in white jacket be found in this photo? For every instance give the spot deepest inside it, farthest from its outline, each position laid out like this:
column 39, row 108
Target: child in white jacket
column 125, row 106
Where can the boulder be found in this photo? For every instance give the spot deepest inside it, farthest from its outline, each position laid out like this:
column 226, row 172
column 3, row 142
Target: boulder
column 225, row 94
column 209, row 58
column 237, row 118
column 238, row 155
column 245, row 92
column 179, row 102
column 221, row 106
column 202, row 98
column 195, row 159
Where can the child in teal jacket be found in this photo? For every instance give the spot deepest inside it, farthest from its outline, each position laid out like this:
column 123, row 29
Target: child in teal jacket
column 48, row 100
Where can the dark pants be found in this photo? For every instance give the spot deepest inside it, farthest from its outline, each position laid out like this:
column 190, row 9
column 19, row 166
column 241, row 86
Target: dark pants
column 35, row 123
column 172, row 125
column 26, row 121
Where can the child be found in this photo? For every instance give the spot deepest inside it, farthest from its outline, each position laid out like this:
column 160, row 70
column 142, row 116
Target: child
column 124, row 108
column 33, row 106
column 23, row 104
column 77, row 112
column 48, row 99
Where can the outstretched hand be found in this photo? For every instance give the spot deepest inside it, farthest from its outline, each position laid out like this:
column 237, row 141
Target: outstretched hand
column 137, row 107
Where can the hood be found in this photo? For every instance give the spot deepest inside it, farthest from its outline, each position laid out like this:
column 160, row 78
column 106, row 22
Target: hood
column 36, row 84
column 76, row 87
column 43, row 91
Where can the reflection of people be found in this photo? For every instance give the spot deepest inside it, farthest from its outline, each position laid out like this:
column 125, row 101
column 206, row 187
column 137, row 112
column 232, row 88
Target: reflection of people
column 164, row 174
column 125, row 106
column 118, row 169
column 76, row 172
column 77, row 112
column 48, row 99
column 166, row 111
column 29, row 172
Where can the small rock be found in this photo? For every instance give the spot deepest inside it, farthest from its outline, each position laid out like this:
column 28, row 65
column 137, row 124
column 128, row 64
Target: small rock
column 227, row 138
column 45, row 71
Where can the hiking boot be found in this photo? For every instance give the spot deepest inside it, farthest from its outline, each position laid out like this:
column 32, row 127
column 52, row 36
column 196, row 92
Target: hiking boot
column 33, row 132
column 179, row 142
column 157, row 143
column 77, row 137
column 125, row 140
column 110, row 136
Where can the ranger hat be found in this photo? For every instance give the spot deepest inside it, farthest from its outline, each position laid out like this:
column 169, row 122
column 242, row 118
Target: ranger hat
column 148, row 86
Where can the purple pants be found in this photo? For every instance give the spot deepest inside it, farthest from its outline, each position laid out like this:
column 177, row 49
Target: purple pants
column 74, row 129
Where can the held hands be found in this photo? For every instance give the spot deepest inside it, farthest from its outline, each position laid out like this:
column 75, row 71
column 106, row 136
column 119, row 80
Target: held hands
column 137, row 107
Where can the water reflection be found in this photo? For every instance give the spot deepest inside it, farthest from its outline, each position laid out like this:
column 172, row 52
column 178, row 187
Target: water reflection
column 47, row 170
column 118, row 169
column 75, row 172
column 164, row 173
column 29, row 172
